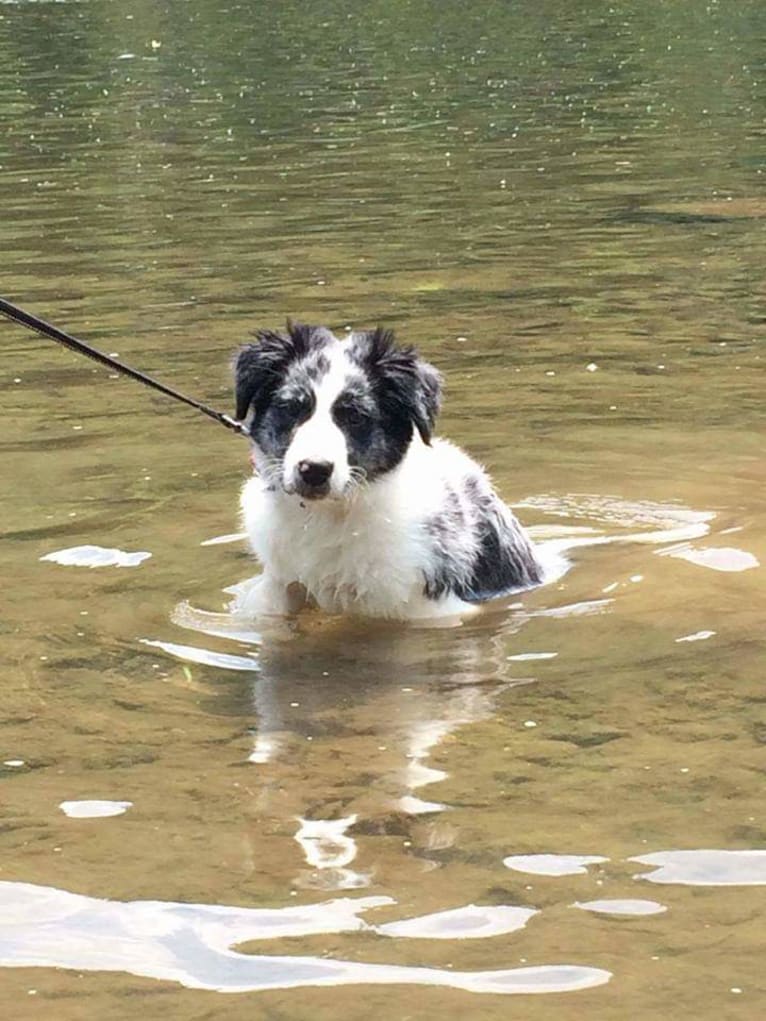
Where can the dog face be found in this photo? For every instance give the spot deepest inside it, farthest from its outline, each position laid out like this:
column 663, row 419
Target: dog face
column 327, row 415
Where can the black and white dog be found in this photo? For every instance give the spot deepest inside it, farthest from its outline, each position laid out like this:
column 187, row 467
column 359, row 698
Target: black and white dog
column 353, row 507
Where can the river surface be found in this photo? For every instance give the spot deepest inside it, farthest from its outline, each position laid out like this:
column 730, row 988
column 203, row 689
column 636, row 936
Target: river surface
column 555, row 810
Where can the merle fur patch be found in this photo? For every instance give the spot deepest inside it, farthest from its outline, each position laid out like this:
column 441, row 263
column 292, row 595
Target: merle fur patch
column 260, row 368
column 408, row 389
column 480, row 551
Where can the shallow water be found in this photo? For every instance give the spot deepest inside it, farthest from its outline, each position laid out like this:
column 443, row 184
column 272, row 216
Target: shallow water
column 563, row 206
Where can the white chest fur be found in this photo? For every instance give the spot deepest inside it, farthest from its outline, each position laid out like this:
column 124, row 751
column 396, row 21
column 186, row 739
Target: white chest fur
column 367, row 554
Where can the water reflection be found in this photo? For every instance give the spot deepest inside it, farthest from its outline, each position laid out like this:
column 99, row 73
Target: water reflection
column 94, row 809
column 622, row 906
column 552, row 864
column 697, row 636
column 193, row 654
column 95, row 556
column 724, row 558
column 41, row 926
column 470, row 922
column 393, row 695
column 706, row 868
column 328, row 850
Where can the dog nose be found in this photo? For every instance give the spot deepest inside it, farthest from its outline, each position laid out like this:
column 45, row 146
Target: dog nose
column 315, row 473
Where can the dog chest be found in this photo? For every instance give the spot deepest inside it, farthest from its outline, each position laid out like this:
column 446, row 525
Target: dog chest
column 368, row 556
column 368, row 561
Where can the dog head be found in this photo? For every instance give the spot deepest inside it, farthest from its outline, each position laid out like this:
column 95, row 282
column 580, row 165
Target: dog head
column 326, row 415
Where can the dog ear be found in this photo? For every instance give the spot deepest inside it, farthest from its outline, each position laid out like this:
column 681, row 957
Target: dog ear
column 409, row 383
column 430, row 382
column 259, row 367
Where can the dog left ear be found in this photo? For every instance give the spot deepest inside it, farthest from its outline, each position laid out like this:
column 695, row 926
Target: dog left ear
column 410, row 383
column 259, row 368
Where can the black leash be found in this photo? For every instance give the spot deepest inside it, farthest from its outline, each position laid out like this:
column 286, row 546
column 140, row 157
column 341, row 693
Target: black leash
column 40, row 326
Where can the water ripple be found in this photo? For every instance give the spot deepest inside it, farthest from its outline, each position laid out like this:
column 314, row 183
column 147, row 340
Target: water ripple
column 194, row 654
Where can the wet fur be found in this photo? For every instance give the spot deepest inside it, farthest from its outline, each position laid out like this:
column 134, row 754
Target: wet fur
column 407, row 526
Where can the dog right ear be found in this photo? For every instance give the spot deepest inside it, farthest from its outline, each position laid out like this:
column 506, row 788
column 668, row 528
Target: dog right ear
column 258, row 370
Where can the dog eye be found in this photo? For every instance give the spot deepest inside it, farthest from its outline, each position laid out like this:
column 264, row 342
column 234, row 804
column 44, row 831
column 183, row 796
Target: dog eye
column 351, row 415
column 291, row 407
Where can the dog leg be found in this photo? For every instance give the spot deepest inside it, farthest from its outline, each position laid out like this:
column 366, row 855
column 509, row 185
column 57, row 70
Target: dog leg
column 421, row 608
column 269, row 595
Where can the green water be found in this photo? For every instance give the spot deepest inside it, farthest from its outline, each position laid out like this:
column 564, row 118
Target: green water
column 563, row 206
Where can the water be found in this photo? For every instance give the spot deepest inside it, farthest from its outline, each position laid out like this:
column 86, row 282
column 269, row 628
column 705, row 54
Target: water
column 563, row 206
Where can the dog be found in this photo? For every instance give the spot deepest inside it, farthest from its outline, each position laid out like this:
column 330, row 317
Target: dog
column 354, row 507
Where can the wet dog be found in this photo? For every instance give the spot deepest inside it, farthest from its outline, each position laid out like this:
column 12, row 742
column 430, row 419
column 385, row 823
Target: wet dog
column 354, row 506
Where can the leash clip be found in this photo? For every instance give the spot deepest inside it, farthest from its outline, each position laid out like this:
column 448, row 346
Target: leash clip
column 235, row 424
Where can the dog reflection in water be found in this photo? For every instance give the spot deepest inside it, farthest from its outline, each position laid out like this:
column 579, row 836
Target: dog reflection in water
column 350, row 716
column 355, row 507
column 352, row 722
